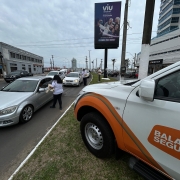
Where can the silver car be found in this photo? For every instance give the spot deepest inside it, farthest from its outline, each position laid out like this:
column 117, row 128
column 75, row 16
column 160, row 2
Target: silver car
column 52, row 73
column 21, row 98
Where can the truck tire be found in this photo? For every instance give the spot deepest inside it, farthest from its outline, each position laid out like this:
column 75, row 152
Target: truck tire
column 97, row 135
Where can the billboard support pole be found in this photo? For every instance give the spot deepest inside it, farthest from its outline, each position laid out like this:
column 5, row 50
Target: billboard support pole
column 123, row 52
column 105, row 62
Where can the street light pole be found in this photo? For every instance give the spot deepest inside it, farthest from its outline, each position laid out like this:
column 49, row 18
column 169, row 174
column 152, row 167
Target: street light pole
column 89, row 61
column 92, row 64
column 101, row 63
column 86, row 63
column 96, row 63
column 53, row 61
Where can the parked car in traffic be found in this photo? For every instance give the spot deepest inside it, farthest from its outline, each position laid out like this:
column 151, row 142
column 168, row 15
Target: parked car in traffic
column 15, row 75
column 52, row 73
column 73, row 79
column 21, row 98
column 113, row 73
column 30, row 74
column 130, row 74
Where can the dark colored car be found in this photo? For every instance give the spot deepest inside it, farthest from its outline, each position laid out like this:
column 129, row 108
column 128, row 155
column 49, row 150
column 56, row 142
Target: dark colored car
column 112, row 74
column 130, row 74
column 30, row 74
column 15, row 75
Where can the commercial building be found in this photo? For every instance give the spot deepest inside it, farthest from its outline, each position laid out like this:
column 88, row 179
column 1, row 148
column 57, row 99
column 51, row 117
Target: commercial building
column 18, row 59
column 165, row 47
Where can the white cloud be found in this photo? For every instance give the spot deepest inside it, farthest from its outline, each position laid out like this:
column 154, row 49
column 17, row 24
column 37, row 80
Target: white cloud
column 65, row 29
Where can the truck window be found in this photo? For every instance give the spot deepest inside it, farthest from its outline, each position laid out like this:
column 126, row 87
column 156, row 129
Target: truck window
column 168, row 87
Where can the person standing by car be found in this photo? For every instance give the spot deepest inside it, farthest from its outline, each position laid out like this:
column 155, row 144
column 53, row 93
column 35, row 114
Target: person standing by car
column 58, row 90
column 99, row 74
column 84, row 76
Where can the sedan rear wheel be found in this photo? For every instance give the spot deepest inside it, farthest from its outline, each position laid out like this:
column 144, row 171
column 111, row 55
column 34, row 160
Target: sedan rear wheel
column 26, row 114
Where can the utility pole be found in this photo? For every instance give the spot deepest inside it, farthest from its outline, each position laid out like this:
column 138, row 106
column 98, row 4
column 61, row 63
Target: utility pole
column 144, row 61
column 93, row 65
column 123, row 53
column 96, row 63
column 51, row 64
column 89, row 61
column 86, row 63
column 101, row 63
column 53, row 61
column 134, row 60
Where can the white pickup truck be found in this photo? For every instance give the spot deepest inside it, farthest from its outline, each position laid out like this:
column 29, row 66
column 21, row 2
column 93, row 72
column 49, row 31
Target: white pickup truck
column 141, row 118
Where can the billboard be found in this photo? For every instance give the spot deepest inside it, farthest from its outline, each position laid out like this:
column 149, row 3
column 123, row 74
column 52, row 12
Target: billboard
column 107, row 25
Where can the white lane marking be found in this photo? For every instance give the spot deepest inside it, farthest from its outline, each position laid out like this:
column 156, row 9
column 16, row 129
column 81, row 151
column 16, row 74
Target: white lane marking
column 32, row 152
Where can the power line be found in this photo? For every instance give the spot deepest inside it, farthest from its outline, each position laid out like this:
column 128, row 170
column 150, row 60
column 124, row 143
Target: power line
column 71, row 39
column 70, row 44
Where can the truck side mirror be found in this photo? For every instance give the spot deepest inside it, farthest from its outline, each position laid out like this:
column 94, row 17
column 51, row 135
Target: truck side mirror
column 146, row 89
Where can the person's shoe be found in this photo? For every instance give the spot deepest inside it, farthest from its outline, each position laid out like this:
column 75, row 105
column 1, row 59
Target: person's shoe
column 52, row 106
column 60, row 108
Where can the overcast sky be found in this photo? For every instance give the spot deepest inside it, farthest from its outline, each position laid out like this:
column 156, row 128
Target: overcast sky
column 65, row 29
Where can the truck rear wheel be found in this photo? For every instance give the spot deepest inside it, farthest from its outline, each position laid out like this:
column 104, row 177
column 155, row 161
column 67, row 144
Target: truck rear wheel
column 97, row 135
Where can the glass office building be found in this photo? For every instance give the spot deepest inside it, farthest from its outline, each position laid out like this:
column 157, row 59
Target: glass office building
column 169, row 17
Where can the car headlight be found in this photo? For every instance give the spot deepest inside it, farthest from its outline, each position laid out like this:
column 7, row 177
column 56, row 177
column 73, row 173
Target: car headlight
column 8, row 110
column 64, row 80
column 76, row 80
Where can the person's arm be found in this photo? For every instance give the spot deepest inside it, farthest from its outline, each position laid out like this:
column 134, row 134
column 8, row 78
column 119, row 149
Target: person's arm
column 53, row 84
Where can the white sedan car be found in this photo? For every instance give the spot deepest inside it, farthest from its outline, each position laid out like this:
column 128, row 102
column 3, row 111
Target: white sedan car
column 73, row 79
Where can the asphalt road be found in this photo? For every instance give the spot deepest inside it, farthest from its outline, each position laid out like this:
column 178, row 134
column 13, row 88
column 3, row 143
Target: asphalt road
column 17, row 141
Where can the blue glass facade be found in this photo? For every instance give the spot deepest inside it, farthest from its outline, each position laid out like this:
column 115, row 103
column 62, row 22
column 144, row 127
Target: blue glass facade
column 168, row 9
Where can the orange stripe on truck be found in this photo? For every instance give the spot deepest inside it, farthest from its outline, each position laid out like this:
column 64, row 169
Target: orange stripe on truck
column 120, row 129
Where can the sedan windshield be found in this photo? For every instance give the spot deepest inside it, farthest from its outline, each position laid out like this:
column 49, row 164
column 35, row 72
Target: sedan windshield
column 21, row 86
column 52, row 73
column 73, row 75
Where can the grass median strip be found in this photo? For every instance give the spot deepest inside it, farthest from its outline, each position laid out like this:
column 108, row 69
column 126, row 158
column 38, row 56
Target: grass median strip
column 63, row 155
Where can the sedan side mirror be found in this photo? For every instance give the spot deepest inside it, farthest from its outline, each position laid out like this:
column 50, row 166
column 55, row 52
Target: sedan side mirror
column 41, row 89
column 146, row 89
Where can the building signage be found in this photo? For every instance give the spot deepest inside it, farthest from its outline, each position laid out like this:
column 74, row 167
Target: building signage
column 107, row 25
column 160, row 61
